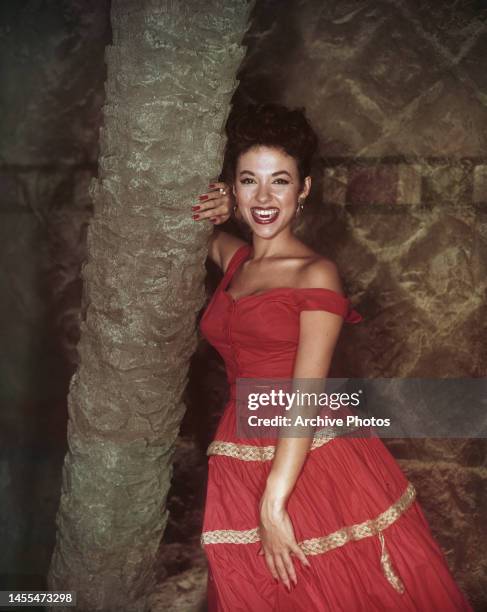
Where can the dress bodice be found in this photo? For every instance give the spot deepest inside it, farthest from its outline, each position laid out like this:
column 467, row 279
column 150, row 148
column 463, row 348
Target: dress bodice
column 257, row 335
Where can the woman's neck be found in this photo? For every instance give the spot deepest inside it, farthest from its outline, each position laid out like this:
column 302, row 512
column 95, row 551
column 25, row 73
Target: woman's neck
column 282, row 244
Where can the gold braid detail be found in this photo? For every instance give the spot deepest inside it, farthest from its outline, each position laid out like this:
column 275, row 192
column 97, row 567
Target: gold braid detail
column 248, row 452
column 386, row 563
column 316, row 546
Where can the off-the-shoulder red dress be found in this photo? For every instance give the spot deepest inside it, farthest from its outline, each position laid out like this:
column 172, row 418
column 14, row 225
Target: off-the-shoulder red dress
column 354, row 512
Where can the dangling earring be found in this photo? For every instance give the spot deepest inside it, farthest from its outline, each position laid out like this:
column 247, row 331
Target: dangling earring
column 300, row 206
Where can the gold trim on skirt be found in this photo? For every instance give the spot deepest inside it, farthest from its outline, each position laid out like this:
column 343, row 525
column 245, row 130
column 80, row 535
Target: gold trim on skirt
column 248, row 452
column 319, row 545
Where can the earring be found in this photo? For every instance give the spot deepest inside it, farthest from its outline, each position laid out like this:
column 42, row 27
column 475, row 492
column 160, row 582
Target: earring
column 300, row 206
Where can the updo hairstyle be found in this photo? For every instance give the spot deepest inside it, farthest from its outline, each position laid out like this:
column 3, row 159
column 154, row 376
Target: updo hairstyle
column 270, row 125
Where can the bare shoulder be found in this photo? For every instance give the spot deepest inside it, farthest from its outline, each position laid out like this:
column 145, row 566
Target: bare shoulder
column 222, row 248
column 322, row 273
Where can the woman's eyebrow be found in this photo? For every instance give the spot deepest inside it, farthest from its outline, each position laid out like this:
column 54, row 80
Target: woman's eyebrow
column 273, row 174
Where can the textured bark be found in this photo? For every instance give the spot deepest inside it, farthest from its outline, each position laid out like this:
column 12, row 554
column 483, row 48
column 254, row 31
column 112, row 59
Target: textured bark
column 170, row 77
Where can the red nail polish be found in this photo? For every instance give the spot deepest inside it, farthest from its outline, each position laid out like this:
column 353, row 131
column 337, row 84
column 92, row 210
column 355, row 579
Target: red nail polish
column 213, row 219
column 211, row 185
column 203, row 197
column 195, row 207
column 196, row 216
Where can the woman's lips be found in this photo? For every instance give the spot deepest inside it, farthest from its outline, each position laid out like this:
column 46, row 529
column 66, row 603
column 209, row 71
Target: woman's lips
column 264, row 215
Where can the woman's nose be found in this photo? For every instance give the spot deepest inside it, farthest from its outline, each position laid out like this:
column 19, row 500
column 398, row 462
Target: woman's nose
column 263, row 194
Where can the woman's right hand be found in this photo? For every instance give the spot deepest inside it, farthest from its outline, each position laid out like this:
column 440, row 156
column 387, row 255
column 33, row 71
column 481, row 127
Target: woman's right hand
column 215, row 205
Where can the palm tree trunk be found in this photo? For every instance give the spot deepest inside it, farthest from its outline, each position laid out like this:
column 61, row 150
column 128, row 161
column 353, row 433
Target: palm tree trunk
column 171, row 72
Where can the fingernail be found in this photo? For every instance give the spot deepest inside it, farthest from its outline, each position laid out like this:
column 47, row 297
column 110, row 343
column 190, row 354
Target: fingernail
column 211, row 185
column 196, row 216
column 203, row 197
column 213, row 220
column 195, row 207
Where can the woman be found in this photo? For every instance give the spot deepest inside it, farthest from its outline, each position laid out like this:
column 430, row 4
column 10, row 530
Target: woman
column 305, row 523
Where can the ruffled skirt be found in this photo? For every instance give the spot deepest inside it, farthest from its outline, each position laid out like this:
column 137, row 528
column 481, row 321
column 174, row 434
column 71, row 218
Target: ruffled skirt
column 355, row 516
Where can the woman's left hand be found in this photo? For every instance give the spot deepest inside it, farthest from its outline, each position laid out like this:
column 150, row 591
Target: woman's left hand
column 279, row 542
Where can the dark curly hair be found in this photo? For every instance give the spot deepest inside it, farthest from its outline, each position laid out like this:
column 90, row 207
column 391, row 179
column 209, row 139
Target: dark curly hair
column 271, row 125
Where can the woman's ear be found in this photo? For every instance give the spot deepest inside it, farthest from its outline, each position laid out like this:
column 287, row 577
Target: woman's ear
column 306, row 188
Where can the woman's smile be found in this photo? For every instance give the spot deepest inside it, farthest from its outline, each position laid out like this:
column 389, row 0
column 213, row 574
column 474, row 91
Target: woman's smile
column 264, row 215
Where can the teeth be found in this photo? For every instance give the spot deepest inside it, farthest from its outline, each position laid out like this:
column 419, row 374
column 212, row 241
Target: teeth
column 267, row 213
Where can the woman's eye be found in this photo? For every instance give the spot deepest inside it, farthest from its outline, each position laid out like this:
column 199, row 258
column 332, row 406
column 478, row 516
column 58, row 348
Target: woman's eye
column 279, row 181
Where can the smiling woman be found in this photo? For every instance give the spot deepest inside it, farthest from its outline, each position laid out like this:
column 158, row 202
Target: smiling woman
column 267, row 195
column 334, row 515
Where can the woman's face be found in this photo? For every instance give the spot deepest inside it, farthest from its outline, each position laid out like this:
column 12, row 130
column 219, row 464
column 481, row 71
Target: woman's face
column 266, row 188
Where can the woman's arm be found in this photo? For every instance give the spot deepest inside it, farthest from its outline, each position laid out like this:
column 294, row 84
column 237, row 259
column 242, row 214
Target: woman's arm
column 216, row 206
column 222, row 247
column 318, row 334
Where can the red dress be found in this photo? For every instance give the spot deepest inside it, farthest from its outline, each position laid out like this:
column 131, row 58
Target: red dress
column 353, row 511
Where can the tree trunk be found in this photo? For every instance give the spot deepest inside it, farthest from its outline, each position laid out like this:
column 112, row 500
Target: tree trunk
column 170, row 77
